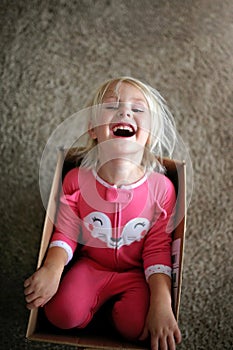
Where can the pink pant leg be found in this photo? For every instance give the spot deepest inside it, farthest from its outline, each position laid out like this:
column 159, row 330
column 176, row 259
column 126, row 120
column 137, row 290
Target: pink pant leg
column 130, row 311
column 78, row 297
column 84, row 289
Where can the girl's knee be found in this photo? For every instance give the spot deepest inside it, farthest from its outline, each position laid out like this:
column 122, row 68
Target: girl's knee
column 65, row 317
column 129, row 324
column 130, row 329
column 129, row 313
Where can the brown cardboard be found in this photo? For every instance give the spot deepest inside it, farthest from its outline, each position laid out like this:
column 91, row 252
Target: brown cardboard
column 95, row 336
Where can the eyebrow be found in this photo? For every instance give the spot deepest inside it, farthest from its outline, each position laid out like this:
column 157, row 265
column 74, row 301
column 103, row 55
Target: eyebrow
column 115, row 97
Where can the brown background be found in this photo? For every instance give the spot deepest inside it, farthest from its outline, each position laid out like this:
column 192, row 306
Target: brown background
column 53, row 53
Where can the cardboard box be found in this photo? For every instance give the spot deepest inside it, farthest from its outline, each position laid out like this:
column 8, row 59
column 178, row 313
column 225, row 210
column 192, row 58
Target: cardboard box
column 98, row 335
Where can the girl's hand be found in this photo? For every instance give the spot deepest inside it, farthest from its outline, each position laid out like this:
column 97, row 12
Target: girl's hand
column 41, row 286
column 162, row 328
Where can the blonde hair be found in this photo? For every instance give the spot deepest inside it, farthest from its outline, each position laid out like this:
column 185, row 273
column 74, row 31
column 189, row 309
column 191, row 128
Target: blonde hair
column 162, row 134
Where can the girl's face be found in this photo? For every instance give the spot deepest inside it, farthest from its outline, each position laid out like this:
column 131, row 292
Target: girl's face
column 123, row 116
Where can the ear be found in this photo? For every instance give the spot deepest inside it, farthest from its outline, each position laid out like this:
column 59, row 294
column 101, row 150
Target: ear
column 91, row 131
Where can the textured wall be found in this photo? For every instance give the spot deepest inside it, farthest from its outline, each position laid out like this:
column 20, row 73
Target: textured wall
column 53, row 53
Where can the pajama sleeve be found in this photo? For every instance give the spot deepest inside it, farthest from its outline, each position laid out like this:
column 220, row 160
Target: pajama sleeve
column 157, row 247
column 67, row 229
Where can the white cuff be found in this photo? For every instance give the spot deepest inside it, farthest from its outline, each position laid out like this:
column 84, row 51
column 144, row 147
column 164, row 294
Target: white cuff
column 65, row 246
column 158, row 269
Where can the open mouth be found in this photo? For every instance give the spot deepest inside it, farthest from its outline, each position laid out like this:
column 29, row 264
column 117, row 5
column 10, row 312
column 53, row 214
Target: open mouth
column 123, row 130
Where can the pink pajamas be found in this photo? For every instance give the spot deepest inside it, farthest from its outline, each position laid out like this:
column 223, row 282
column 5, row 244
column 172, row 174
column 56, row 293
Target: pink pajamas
column 126, row 237
column 84, row 289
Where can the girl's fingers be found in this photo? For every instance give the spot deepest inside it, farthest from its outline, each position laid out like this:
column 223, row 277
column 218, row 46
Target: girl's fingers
column 154, row 343
column 171, row 342
column 177, row 336
column 163, row 343
column 28, row 290
column 27, row 283
column 31, row 297
column 35, row 303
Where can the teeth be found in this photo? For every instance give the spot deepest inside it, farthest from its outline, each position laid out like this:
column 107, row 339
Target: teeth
column 123, row 127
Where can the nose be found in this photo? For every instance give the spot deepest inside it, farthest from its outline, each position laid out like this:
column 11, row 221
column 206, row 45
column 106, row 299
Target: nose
column 124, row 111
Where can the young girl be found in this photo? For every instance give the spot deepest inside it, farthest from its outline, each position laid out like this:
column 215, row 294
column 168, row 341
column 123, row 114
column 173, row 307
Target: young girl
column 120, row 206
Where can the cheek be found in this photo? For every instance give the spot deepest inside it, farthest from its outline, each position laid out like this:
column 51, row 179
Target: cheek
column 144, row 232
column 102, row 132
column 144, row 124
column 103, row 118
column 143, row 137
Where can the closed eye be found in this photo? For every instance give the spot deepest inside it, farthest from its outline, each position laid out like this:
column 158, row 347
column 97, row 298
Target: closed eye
column 140, row 224
column 137, row 110
column 111, row 107
column 95, row 219
column 138, row 107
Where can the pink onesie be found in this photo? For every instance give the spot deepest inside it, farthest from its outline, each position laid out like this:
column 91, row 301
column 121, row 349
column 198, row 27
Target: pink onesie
column 125, row 235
